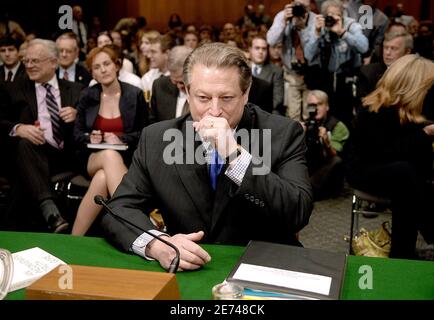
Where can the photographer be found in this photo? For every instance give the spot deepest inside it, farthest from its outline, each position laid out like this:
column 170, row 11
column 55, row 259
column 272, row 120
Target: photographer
column 338, row 44
column 325, row 139
column 291, row 27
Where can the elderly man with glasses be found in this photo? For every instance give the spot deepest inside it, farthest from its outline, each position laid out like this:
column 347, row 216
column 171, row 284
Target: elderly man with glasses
column 42, row 130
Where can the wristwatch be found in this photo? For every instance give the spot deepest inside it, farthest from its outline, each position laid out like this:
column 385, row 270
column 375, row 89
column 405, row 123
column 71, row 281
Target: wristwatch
column 234, row 154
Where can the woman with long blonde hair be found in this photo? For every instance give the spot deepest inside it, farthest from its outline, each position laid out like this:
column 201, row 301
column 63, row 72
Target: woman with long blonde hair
column 143, row 52
column 393, row 151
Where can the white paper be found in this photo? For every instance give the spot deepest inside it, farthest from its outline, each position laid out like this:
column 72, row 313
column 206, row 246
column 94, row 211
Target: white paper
column 284, row 278
column 30, row 265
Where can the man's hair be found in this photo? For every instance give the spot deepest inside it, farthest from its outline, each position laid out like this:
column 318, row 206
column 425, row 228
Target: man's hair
column 166, row 42
column 320, row 95
column 177, row 57
column 259, row 36
column 408, row 38
column 49, row 45
column 68, row 36
column 221, row 56
column 9, row 42
column 404, row 87
column 331, row 3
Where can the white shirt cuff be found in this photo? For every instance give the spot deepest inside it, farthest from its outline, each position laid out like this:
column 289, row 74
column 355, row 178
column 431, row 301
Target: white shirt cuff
column 139, row 245
column 237, row 171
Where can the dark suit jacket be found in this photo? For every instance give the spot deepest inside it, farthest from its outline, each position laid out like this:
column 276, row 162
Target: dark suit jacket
column 24, row 107
column 368, row 78
column 274, row 75
column 271, row 207
column 261, row 94
column 81, row 75
column 164, row 98
column 134, row 113
column 19, row 76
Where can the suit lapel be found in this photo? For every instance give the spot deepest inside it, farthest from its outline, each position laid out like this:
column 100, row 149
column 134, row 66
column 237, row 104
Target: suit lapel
column 265, row 72
column 195, row 178
column 30, row 96
column 65, row 93
column 225, row 187
column 171, row 100
column 126, row 108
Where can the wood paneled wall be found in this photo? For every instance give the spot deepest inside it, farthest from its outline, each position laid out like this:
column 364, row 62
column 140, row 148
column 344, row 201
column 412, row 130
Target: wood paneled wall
column 213, row 12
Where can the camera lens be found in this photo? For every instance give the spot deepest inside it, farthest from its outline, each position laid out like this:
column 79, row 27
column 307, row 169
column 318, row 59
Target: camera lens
column 298, row 10
column 330, row 21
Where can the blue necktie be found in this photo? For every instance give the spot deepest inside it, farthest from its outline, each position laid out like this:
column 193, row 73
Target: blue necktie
column 256, row 71
column 215, row 168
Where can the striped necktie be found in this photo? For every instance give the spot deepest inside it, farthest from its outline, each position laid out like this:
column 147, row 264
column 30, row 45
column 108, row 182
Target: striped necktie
column 66, row 75
column 53, row 110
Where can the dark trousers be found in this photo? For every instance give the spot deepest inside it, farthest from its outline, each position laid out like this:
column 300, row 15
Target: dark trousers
column 327, row 181
column 35, row 167
column 412, row 203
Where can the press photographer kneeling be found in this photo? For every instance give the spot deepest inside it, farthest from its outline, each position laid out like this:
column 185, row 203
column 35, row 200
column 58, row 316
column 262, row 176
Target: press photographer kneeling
column 325, row 139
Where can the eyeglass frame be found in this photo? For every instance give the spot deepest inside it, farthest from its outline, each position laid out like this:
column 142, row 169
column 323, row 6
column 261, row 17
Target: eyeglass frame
column 35, row 62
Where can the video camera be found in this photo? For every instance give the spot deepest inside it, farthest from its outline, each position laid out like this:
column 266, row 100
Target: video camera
column 312, row 126
column 298, row 10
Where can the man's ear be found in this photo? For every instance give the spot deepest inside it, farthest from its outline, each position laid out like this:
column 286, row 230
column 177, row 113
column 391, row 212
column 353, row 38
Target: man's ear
column 187, row 91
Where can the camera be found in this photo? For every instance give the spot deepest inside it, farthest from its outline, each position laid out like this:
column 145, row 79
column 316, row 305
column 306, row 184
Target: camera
column 330, row 21
column 314, row 152
column 312, row 126
column 298, row 10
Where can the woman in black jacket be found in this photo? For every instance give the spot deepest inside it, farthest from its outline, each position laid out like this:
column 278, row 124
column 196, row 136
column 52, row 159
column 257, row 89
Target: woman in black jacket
column 111, row 113
column 394, row 155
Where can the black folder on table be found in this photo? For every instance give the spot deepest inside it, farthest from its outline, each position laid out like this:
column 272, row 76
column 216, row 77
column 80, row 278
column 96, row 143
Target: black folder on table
column 295, row 259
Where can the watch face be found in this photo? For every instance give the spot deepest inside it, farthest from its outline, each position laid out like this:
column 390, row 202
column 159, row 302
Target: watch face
column 6, row 270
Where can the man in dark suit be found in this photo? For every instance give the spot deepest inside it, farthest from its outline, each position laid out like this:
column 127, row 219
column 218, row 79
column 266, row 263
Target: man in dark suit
column 169, row 99
column 12, row 69
column 263, row 69
column 43, row 131
column 261, row 94
column 395, row 45
column 210, row 186
column 69, row 67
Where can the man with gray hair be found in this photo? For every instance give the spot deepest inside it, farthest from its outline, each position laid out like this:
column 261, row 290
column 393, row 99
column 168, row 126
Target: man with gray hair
column 169, row 99
column 210, row 186
column 42, row 133
column 395, row 46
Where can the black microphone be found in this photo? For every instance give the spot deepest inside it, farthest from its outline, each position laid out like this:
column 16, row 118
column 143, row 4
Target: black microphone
column 99, row 200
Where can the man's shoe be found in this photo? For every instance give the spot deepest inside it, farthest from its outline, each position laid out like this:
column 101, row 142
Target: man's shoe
column 57, row 224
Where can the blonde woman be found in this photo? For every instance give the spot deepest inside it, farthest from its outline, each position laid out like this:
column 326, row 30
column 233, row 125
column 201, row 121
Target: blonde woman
column 113, row 112
column 393, row 151
column 145, row 44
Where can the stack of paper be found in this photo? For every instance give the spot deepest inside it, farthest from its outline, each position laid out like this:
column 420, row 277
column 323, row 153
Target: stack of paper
column 30, row 265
